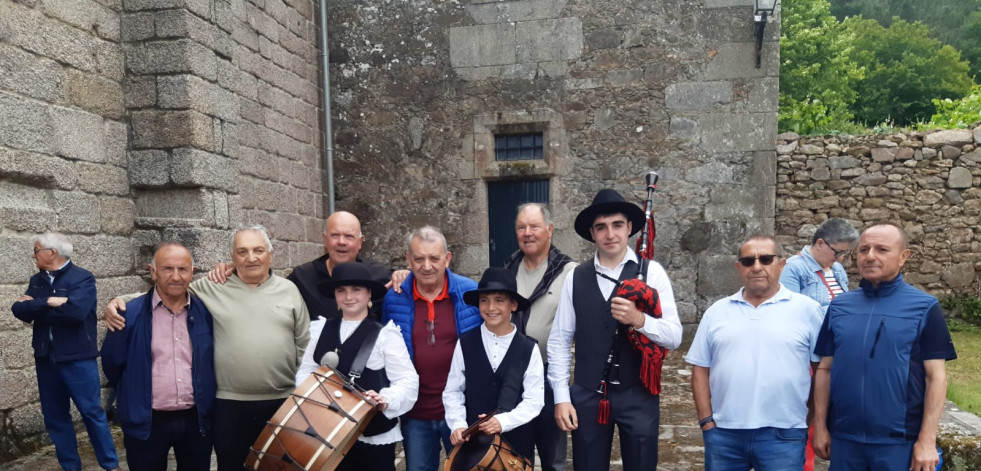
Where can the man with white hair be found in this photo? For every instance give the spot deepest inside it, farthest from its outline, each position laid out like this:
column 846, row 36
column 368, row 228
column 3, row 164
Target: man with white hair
column 258, row 316
column 60, row 301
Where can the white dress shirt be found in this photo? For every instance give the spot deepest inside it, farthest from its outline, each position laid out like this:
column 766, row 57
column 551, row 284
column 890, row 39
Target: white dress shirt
column 665, row 331
column 389, row 352
column 533, row 383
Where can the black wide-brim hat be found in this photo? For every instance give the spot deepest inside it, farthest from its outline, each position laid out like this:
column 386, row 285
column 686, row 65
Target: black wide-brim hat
column 608, row 201
column 351, row 274
column 496, row 280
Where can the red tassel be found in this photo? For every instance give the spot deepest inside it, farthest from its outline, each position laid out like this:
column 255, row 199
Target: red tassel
column 604, row 411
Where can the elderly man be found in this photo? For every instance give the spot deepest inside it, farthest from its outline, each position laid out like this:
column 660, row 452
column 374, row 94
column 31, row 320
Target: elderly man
column 541, row 270
column 881, row 383
column 261, row 330
column 589, row 314
column 751, row 359
column 430, row 311
column 60, row 301
column 342, row 242
column 162, row 366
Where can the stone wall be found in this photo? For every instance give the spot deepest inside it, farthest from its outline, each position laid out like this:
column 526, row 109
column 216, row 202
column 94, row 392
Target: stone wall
column 128, row 122
column 930, row 183
column 617, row 87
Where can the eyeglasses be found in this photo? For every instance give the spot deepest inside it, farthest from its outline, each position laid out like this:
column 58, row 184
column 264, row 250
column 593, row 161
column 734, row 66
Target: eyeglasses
column 430, row 325
column 41, row 250
column 838, row 253
column 750, row 261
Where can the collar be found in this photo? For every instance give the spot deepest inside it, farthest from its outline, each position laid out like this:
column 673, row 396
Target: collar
column 487, row 333
column 59, row 271
column 885, row 288
column 630, row 256
column 812, row 264
column 782, row 294
column 416, row 296
column 156, row 300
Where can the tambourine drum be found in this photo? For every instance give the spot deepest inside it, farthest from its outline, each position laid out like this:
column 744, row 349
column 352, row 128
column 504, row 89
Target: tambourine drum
column 314, row 428
column 486, row 453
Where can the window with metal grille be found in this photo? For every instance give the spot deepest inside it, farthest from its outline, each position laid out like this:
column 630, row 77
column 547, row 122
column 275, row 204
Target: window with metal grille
column 519, row 146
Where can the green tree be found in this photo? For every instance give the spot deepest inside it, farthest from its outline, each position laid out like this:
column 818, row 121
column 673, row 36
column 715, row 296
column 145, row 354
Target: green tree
column 905, row 70
column 817, row 77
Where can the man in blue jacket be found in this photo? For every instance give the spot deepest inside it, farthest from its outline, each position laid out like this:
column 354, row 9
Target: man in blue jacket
column 162, row 366
column 60, row 301
column 431, row 313
column 879, row 389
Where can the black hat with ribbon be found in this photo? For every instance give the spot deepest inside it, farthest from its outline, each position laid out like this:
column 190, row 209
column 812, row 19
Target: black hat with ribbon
column 351, row 274
column 608, row 201
column 496, row 280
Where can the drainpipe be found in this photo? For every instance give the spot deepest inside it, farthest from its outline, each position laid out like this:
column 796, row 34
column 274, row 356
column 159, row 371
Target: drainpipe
column 328, row 134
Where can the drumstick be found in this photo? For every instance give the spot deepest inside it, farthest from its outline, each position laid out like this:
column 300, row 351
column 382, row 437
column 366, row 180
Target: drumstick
column 473, row 428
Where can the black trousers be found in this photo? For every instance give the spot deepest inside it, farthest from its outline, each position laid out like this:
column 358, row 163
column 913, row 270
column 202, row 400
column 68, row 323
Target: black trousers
column 171, row 429
column 237, row 426
column 550, row 440
column 365, row 457
column 636, row 414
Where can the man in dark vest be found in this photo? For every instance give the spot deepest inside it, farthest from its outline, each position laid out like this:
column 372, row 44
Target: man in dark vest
column 496, row 367
column 587, row 306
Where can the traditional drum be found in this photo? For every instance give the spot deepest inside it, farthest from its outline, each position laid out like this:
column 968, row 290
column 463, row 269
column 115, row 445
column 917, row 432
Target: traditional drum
column 486, row 453
column 314, row 428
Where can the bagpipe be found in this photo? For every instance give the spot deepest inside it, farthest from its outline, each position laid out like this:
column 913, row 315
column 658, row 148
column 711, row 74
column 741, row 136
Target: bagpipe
column 647, row 301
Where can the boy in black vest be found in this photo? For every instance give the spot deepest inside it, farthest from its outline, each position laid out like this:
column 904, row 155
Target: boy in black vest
column 386, row 372
column 496, row 367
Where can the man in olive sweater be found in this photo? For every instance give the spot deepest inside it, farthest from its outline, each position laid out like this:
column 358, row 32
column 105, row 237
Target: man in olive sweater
column 261, row 330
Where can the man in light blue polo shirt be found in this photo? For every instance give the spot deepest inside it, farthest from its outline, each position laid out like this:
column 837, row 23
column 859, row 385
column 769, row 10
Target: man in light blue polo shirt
column 750, row 376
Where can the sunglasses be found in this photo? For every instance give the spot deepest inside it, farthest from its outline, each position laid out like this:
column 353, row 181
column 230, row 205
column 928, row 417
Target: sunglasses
column 750, row 261
column 430, row 325
column 838, row 253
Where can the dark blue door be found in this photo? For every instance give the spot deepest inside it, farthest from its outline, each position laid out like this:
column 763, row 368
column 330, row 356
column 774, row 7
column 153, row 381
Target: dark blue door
column 503, row 199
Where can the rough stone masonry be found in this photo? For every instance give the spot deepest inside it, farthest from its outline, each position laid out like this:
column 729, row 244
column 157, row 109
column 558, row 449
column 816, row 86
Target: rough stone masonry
column 128, row 122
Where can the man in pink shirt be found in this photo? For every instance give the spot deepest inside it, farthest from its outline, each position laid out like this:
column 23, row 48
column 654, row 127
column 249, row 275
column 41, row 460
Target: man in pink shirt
column 162, row 366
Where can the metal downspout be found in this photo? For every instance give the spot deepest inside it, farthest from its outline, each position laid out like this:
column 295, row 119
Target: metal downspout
column 328, row 131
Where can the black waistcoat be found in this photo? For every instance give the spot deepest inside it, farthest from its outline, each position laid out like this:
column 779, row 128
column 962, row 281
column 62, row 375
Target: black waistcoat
column 594, row 331
column 330, row 339
column 487, row 389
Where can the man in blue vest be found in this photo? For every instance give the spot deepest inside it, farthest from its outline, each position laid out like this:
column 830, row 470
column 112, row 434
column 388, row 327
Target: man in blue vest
column 589, row 314
column 430, row 311
column 880, row 387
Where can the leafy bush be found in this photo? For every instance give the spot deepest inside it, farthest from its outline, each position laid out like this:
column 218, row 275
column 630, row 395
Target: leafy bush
column 962, row 307
column 956, row 113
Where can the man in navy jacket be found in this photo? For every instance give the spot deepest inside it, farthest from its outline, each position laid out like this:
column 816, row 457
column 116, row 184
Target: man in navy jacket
column 162, row 366
column 60, row 301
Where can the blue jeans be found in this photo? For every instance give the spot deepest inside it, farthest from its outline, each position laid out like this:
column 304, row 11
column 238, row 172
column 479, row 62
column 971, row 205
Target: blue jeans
column 79, row 381
column 762, row 449
column 421, row 440
column 847, row 455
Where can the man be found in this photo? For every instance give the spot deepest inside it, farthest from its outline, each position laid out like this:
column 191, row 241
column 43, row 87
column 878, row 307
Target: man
column 60, row 301
column 881, row 383
column 751, row 376
column 342, row 243
column 431, row 313
column 261, row 330
column 162, row 366
column 541, row 270
column 589, row 314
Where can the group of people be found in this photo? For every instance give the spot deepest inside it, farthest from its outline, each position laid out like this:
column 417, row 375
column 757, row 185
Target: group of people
column 203, row 365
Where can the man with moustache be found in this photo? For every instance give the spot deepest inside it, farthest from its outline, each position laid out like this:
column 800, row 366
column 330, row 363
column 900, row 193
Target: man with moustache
column 589, row 314
column 751, row 359
column 880, row 387
column 162, row 367
column 261, row 330
column 540, row 269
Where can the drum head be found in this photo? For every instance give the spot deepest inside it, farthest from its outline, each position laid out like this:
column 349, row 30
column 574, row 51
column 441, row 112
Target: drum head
column 471, row 452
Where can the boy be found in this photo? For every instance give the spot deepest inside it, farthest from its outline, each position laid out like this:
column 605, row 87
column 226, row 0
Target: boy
column 495, row 367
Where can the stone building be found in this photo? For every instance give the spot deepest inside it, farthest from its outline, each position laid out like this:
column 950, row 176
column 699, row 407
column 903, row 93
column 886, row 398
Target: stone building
column 128, row 122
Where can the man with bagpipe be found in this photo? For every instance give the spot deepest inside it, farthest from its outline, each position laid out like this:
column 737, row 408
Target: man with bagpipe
column 622, row 328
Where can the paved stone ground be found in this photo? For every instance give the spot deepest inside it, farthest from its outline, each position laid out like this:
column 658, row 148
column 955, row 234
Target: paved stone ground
column 680, row 441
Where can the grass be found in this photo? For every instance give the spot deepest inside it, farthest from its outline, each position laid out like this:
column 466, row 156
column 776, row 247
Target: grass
column 964, row 373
